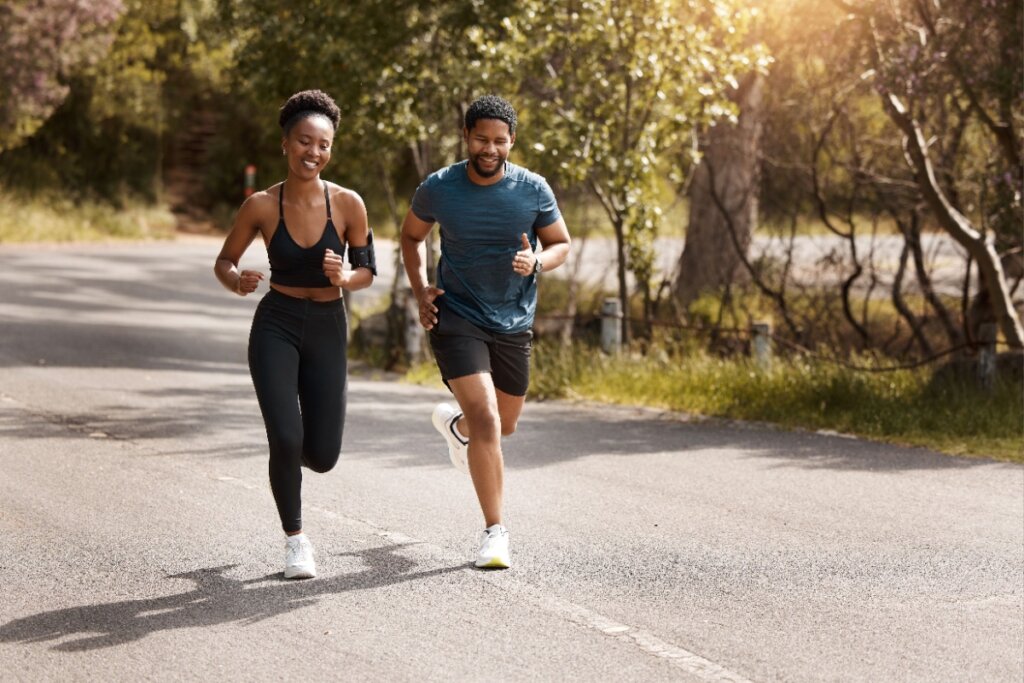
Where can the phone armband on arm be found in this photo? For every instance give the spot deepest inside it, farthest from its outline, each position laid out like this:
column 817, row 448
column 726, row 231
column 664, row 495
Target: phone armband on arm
column 364, row 257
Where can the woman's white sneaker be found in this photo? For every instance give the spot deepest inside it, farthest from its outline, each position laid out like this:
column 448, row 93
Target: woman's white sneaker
column 298, row 558
column 444, row 418
column 494, row 548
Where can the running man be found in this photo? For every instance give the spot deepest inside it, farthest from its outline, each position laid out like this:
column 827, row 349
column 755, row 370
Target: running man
column 492, row 214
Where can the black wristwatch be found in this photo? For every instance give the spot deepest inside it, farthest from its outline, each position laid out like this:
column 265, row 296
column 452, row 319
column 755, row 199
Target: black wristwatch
column 538, row 267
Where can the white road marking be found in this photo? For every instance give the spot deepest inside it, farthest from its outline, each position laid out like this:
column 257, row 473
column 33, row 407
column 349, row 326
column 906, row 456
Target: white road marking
column 645, row 641
column 648, row 642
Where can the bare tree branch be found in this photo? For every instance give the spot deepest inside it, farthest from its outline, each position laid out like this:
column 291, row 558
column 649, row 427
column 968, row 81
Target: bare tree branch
column 1002, row 130
column 901, row 305
column 912, row 235
column 955, row 223
column 727, row 215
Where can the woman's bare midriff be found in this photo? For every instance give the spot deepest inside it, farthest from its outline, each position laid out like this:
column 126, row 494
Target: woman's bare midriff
column 311, row 293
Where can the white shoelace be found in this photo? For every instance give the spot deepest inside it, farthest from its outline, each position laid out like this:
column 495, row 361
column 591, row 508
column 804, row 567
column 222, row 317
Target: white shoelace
column 297, row 552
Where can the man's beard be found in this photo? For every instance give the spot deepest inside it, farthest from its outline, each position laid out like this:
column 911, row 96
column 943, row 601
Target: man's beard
column 484, row 173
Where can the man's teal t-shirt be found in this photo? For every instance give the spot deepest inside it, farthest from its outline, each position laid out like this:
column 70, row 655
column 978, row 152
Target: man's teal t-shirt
column 481, row 228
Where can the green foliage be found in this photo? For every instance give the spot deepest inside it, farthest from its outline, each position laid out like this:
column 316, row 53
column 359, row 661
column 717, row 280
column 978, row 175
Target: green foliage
column 618, row 89
column 402, row 74
column 43, row 45
column 116, row 123
column 80, row 156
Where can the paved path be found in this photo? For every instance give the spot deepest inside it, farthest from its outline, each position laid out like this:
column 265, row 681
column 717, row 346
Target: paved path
column 138, row 538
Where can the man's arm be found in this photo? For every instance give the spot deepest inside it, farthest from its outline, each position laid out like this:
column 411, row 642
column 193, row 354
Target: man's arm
column 556, row 242
column 414, row 231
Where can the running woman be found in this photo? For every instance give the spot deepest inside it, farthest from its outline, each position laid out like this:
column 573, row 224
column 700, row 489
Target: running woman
column 298, row 341
column 492, row 214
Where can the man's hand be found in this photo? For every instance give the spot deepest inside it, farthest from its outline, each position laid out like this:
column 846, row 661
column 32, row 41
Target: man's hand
column 428, row 311
column 525, row 260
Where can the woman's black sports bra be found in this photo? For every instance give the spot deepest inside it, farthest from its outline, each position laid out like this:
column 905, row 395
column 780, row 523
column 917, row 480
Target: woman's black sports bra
column 295, row 266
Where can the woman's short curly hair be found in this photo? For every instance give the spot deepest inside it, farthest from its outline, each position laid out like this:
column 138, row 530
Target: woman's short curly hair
column 491, row 107
column 308, row 103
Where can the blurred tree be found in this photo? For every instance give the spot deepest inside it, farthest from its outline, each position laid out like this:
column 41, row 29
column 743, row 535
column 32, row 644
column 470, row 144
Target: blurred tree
column 724, row 191
column 43, row 44
column 617, row 87
column 164, row 59
column 833, row 152
column 926, row 57
column 402, row 71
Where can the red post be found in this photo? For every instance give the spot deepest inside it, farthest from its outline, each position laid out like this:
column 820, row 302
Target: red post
column 250, row 179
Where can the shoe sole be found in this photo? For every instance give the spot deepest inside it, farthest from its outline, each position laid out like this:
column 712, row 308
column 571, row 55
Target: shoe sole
column 493, row 563
column 299, row 573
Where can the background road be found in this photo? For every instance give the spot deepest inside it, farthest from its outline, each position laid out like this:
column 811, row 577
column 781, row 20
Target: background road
column 814, row 261
column 138, row 537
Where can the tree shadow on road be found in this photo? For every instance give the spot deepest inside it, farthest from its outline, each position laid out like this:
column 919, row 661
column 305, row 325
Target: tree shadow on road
column 215, row 599
column 390, row 423
column 568, row 432
column 175, row 320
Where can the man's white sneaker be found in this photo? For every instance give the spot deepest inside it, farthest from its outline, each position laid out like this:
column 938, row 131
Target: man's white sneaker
column 494, row 548
column 298, row 558
column 444, row 419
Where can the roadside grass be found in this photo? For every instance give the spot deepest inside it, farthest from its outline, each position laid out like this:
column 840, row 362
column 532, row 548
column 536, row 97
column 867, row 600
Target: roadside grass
column 906, row 407
column 53, row 218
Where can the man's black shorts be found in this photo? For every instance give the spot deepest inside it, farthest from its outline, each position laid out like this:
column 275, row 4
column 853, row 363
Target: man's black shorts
column 461, row 348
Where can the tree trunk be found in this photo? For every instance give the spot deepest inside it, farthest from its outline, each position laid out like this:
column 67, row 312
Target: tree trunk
column 620, row 251
column 709, row 260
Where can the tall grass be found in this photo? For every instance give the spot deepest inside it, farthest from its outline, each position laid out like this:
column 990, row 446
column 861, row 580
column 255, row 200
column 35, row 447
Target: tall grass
column 54, row 218
column 911, row 407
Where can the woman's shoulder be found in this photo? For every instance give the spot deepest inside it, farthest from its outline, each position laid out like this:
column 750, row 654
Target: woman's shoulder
column 343, row 196
column 264, row 198
column 262, row 203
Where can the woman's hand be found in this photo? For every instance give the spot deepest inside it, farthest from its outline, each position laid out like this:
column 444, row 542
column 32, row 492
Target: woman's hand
column 334, row 269
column 248, row 280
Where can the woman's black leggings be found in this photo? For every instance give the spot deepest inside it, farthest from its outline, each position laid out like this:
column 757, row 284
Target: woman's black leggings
column 297, row 358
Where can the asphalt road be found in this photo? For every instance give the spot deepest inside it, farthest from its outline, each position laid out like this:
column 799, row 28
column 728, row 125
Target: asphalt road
column 138, row 537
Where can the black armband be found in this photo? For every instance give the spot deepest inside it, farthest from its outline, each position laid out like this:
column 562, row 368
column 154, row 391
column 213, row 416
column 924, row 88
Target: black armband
column 364, row 257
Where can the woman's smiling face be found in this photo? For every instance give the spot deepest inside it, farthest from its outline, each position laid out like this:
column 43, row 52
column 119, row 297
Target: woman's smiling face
column 308, row 145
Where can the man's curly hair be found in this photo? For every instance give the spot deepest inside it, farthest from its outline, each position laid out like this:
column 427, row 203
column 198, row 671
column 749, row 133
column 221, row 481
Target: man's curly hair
column 491, row 107
column 308, row 103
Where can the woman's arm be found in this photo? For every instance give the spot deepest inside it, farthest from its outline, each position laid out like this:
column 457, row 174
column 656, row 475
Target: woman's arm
column 357, row 234
column 243, row 232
